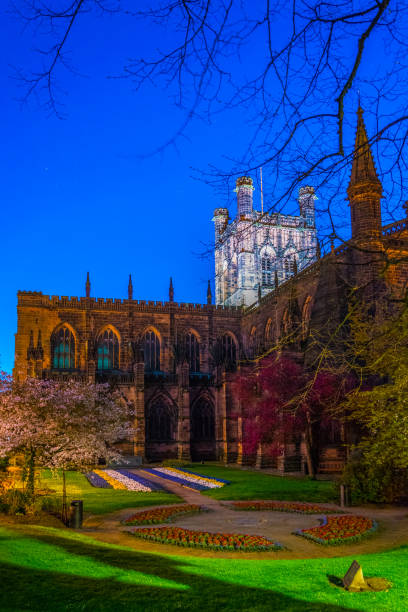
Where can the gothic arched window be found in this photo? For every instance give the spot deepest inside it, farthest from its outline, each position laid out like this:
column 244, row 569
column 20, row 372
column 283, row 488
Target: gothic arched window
column 193, row 352
column 108, row 350
column 266, row 265
column 202, row 421
column 63, row 349
column 269, row 331
column 306, row 312
column 229, row 351
column 151, row 345
column 161, row 423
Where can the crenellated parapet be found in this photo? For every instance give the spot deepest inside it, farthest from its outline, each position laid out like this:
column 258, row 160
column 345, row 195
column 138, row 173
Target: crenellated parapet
column 38, row 299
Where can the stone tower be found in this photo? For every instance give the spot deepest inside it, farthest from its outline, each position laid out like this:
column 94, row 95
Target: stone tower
column 257, row 251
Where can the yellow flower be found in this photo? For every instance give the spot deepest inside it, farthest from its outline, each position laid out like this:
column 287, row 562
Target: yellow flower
column 112, row 481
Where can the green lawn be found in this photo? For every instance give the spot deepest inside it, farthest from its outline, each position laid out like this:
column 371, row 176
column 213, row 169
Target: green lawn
column 251, row 484
column 99, row 501
column 43, row 568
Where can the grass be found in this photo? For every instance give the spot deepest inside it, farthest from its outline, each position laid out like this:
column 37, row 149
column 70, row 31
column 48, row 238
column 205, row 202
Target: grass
column 99, row 501
column 43, row 568
column 251, row 484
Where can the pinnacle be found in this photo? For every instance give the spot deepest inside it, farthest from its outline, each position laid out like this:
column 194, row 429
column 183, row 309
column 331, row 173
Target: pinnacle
column 363, row 169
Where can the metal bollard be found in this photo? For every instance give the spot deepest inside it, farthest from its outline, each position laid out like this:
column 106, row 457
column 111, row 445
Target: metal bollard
column 77, row 512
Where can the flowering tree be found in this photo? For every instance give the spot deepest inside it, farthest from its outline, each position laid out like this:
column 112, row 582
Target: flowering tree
column 61, row 425
column 279, row 400
column 266, row 391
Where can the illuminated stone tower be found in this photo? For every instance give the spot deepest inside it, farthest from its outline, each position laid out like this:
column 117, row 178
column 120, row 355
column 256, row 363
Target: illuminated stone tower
column 256, row 252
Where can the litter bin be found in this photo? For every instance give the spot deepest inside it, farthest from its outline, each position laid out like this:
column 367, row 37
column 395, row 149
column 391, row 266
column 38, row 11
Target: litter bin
column 77, row 511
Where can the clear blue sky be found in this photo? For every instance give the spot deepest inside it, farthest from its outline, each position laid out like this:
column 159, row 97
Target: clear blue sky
column 77, row 196
column 81, row 194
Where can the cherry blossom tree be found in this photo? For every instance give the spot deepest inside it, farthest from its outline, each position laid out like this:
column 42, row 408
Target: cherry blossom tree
column 66, row 425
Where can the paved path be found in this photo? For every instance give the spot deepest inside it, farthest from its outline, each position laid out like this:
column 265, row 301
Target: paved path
column 277, row 526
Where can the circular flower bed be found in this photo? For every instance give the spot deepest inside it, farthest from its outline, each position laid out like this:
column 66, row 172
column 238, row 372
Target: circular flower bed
column 284, row 506
column 204, row 539
column 339, row 529
column 161, row 515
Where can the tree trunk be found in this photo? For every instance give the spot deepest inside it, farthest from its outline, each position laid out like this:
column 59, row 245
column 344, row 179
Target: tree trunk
column 64, row 515
column 30, row 471
column 308, row 442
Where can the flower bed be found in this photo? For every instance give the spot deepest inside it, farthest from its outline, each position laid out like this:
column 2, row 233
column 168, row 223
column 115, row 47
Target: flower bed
column 189, row 480
column 110, row 480
column 284, row 506
column 97, row 481
column 209, row 541
column 219, row 481
column 339, row 529
column 151, row 486
column 161, row 515
column 121, row 479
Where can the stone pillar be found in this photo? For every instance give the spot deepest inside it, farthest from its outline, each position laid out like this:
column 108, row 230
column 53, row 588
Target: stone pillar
column 240, row 442
column 38, row 368
column 91, row 371
column 222, row 424
column 140, row 434
column 30, row 368
column 183, row 412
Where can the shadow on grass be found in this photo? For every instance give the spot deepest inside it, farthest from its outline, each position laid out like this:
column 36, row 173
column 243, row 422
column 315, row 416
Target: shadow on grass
column 63, row 588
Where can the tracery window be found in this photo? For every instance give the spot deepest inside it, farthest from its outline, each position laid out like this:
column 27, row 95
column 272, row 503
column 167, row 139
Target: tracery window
column 161, row 422
column 202, row 421
column 151, row 345
column 306, row 312
column 267, row 271
column 63, row 349
column 108, row 350
column 193, row 352
column 229, row 351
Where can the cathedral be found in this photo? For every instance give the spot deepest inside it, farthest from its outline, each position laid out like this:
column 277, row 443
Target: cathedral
column 175, row 362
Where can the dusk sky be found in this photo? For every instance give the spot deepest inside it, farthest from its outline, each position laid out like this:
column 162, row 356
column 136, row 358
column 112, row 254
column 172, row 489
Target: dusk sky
column 83, row 194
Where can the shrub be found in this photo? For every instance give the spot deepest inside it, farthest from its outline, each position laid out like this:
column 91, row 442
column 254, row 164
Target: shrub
column 174, row 463
column 374, row 483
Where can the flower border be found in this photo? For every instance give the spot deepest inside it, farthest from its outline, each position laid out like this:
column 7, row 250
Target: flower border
column 152, row 516
column 226, row 542
column 339, row 540
column 283, row 506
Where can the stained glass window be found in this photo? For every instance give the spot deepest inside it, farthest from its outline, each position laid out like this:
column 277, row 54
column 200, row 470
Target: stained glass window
column 267, row 272
column 193, row 352
column 161, row 422
column 63, row 349
column 203, row 421
column 108, row 350
column 151, row 352
column 229, row 351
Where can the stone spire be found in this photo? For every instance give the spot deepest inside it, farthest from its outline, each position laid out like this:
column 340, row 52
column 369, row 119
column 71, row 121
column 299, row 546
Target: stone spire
column 130, row 288
column 171, row 291
column 363, row 168
column 87, row 286
column 209, row 294
column 365, row 189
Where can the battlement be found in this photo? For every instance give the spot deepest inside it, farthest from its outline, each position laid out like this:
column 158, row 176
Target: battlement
column 37, row 298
